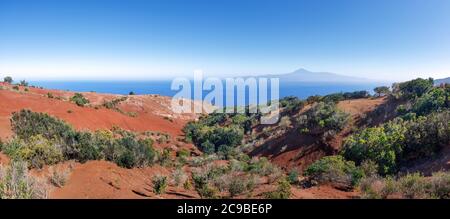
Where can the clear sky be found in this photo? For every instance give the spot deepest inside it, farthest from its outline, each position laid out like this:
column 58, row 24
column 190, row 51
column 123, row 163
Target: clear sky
column 109, row 39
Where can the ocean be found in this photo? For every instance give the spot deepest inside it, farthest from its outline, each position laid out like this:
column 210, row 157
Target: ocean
column 299, row 89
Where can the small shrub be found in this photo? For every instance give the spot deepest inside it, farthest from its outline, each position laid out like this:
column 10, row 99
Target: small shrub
column 8, row 79
column 414, row 186
column 187, row 185
column 159, row 184
column 202, row 186
column 23, row 83
column 335, row 170
column 261, row 166
column 375, row 187
column 440, row 185
column 165, row 159
column 59, row 177
column 237, row 186
column 79, row 99
column 381, row 91
column 322, row 117
column 183, row 153
column 38, row 151
column 283, row 191
column 17, row 183
column 293, row 176
column 179, row 177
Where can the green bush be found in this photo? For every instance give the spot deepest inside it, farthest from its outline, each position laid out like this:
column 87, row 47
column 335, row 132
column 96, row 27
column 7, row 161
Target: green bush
column 335, row 170
column 8, row 79
column 113, row 104
column 238, row 185
column 165, row 158
column 436, row 99
column 202, row 186
column 283, row 191
column 126, row 149
column 183, row 153
column 293, row 176
column 412, row 89
column 134, row 152
column 23, row 83
column 37, row 151
column 382, row 90
column 399, row 141
column 313, row 99
column 322, row 117
column 211, row 139
column 26, row 123
column 79, row 99
column 261, row 166
column 159, row 184
column 292, row 104
column 425, row 136
column 382, row 145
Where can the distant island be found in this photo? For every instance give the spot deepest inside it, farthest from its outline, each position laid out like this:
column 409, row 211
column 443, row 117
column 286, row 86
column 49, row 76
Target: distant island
column 303, row 75
column 442, row 81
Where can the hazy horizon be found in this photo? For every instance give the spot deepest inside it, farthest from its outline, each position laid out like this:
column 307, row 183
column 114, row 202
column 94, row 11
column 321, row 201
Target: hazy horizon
column 148, row 40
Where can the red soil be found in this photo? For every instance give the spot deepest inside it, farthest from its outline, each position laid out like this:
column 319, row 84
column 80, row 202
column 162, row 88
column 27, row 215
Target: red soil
column 105, row 180
column 152, row 111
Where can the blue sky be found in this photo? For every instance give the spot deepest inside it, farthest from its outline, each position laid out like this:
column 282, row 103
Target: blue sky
column 100, row 39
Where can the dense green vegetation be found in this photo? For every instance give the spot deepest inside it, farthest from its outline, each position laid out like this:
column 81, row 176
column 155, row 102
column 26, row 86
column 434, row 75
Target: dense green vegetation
column 42, row 139
column 399, row 141
column 210, row 134
column 410, row 90
column 292, row 104
column 336, row 97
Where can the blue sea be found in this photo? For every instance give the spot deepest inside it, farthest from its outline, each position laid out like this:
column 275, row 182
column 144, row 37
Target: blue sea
column 299, row 89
